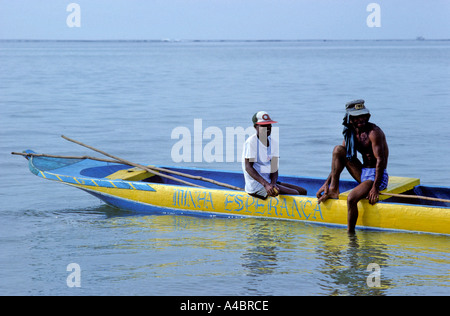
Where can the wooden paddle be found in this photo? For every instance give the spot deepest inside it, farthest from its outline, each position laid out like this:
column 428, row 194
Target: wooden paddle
column 155, row 170
column 416, row 197
column 64, row 157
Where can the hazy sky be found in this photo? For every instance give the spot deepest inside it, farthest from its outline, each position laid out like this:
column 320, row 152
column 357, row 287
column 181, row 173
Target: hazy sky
column 224, row 19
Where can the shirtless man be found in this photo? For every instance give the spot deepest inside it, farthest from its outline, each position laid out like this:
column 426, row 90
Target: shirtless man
column 369, row 140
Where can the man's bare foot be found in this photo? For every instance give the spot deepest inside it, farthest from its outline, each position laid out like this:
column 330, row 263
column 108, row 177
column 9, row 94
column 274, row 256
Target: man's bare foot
column 351, row 231
column 329, row 195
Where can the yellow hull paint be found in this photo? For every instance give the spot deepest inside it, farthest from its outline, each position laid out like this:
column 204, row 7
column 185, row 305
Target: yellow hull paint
column 302, row 208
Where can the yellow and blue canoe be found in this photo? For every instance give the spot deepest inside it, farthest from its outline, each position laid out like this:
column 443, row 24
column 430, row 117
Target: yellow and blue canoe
column 137, row 190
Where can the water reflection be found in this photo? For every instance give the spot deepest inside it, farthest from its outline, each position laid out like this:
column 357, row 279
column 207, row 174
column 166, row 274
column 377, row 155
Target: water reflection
column 345, row 259
column 264, row 257
column 335, row 261
column 260, row 257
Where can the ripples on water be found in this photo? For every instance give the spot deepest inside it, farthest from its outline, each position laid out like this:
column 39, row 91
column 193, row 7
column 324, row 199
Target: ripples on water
column 123, row 253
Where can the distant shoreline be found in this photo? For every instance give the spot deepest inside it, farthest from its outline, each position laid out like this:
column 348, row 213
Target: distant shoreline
column 225, row 41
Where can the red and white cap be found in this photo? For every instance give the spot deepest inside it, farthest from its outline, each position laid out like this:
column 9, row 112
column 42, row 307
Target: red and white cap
column 262, row 118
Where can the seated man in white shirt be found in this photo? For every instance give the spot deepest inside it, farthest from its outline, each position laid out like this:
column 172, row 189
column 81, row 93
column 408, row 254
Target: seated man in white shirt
column 260, row 162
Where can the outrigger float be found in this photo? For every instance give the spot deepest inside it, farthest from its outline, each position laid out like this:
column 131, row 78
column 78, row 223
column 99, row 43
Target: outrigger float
column 405, row 205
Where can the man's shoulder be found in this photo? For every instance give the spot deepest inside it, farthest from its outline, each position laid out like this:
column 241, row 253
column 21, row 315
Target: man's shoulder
column 274, row 140
column 375, row 129
column 251, row 138
column 376, row 134
column 251, row 141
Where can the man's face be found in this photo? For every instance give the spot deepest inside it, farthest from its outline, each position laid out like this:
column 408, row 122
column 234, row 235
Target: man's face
column 263, row 130
column 360, row 121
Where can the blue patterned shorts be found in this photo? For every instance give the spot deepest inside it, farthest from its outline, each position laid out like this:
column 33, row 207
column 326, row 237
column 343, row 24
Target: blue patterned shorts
column 369, row 174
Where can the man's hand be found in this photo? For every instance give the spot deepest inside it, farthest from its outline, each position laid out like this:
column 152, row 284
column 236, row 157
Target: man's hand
column 323, row 189
column 271, row 189
column 374, row 195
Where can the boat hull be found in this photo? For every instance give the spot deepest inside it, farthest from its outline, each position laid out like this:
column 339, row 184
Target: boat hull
column 149, row 197
column 226, row 203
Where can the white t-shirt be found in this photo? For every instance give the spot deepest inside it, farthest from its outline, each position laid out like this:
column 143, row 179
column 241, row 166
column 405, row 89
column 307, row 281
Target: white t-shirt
column 261, row 157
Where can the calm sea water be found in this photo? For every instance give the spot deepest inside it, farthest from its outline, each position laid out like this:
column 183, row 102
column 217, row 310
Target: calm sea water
column 127, row 97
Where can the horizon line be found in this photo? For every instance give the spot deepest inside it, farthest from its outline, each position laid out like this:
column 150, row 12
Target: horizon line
column 419, row 38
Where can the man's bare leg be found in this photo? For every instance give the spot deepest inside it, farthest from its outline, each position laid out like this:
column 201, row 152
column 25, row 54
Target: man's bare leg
column 357, row 194
column 287, row 187
column 330, row 189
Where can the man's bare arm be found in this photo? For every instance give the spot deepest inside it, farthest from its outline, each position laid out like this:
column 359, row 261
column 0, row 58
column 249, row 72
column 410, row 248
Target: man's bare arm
column 378, row 141
column 255, row 175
